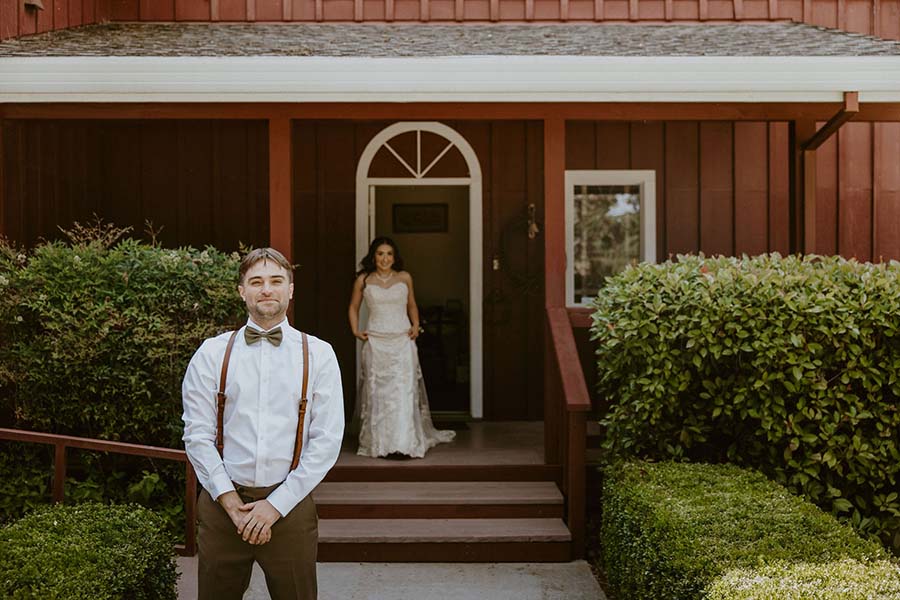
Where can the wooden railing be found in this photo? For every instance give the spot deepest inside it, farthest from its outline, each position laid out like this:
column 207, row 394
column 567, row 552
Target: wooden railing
column 61, row 442
column 570, row 403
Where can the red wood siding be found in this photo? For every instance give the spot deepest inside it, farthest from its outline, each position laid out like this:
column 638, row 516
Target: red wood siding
column 875, row 17
column 202, row 182
column 722, row 187
column 326, row 154
column 16, row 20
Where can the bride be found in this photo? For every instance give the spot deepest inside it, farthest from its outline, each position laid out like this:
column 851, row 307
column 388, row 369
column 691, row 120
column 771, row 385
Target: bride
column 392, row 403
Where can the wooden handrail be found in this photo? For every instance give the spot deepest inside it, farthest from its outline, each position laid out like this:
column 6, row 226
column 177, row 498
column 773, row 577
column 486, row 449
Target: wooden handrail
column 575, row 393
column 574, row 405
column 580, row 317
column 61, row 442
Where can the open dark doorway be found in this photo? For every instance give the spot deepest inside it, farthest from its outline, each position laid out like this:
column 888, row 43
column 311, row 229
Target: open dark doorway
column 431, row 227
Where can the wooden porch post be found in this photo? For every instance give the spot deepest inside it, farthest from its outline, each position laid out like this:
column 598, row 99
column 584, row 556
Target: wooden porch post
column 281, row 216
column 804, row 142
column 554, row 271
column 802, row 208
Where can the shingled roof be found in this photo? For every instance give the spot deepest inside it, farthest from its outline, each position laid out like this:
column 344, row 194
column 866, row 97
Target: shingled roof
column 394, row 40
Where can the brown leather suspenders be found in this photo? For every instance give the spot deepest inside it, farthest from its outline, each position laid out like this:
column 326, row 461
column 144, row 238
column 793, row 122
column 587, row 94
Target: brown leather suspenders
column 298, row 443
column 220, row 396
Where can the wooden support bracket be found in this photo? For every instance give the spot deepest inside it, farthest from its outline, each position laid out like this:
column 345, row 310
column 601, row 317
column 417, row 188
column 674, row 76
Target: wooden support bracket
column 847, row 112
column 804, row 172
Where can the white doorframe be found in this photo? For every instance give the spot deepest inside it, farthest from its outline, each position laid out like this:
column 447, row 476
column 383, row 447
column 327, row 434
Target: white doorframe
column 365, row 223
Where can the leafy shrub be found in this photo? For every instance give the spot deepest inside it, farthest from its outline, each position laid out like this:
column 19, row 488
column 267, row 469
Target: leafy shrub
column 88, row 551
column 97, row 334
column 790, row 365
column 846, row 579
column 671, row 530
column 25, row 474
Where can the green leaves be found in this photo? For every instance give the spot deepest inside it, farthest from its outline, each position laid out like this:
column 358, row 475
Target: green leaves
column 788, row 364
column 96, row 336
column 88, row 551
column 675, row 530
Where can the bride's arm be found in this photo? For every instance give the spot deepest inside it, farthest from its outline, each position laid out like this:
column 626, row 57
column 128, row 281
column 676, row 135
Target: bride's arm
column 412, row 310
column 353, row 311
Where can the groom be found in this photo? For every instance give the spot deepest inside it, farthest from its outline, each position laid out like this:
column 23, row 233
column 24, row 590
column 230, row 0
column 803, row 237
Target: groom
column 256, row 455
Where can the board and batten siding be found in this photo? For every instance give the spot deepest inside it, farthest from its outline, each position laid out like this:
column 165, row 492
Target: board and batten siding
column 202, row 182
column 723, row 188
column 16, row 20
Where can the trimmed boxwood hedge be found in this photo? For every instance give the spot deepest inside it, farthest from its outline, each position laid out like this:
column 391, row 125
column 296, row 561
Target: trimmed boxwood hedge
column 846, row 579
column 90, row 551
column 682, row 531
column 787, row 365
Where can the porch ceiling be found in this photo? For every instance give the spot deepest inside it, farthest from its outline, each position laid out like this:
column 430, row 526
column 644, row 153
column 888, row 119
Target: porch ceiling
column 180, row 62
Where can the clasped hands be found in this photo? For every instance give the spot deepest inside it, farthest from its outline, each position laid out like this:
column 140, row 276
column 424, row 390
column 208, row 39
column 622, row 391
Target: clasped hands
column 253, row 520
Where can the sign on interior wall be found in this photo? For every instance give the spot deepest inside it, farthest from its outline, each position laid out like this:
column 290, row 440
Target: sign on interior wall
column 420, row 218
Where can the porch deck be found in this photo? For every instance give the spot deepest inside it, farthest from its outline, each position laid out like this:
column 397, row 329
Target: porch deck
column 480, row 443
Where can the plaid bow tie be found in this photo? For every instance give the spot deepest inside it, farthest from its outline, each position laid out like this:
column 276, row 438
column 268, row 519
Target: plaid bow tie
column 251, row 336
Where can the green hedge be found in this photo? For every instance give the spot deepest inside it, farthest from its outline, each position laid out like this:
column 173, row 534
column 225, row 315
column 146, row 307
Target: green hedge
column 846, row 579
column 97, row 334
column 89, row 551
column 789, row 365
column 682, row 531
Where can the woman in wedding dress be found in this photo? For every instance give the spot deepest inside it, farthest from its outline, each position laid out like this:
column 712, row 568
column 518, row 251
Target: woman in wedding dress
column 392, row 404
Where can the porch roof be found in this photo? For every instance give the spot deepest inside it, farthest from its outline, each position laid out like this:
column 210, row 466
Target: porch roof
column 404, row 40
column 297, row 62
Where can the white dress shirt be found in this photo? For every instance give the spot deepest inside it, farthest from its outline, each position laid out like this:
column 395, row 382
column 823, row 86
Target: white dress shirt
column 261, row 414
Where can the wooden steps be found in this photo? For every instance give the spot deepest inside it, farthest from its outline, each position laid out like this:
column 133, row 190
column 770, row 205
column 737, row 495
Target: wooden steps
column 419, row 472
column 439, row 500
column 444, row 521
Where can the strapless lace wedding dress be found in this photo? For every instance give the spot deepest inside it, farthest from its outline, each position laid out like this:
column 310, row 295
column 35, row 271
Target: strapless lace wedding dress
column 392, row 403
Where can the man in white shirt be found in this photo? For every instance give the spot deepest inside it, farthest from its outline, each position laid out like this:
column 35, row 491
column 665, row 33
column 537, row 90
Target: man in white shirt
column 254, row 506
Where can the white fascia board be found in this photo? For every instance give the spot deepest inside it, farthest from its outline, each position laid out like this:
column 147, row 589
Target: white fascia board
column 449, row 79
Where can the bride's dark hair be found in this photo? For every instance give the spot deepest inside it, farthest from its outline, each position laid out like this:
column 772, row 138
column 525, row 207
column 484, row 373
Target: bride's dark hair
column 367, row 264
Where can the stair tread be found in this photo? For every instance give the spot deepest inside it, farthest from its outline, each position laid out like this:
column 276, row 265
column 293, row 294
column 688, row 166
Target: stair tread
column 442, row 530
column 438, row 492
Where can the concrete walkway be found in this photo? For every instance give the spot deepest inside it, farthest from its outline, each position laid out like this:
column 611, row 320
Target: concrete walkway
column 431, row 581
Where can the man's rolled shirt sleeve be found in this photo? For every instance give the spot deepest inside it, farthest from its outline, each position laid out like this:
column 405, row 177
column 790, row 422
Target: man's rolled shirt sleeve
column 198, row 394
column 325, row 413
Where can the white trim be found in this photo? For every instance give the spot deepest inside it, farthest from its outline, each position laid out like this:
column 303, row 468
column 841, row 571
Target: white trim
column 647, row 182
column 365, row 223
column 423, row 181
column 449, row 79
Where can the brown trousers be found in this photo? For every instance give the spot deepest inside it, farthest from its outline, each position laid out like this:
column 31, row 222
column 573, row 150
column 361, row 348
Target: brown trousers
column 288, row 559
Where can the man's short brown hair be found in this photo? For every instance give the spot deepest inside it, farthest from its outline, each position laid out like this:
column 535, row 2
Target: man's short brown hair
column 254, row 256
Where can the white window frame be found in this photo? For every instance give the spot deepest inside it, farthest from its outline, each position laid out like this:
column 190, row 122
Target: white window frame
column 646, row 180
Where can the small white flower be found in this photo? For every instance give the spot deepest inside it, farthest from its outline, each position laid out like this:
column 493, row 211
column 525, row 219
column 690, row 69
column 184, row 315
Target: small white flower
column 3, row 280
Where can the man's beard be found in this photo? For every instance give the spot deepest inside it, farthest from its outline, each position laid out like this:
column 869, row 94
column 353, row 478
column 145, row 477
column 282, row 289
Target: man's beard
column 268, row 309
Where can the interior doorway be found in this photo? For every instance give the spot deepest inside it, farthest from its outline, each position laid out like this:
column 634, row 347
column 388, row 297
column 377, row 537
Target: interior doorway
column 431, row 227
